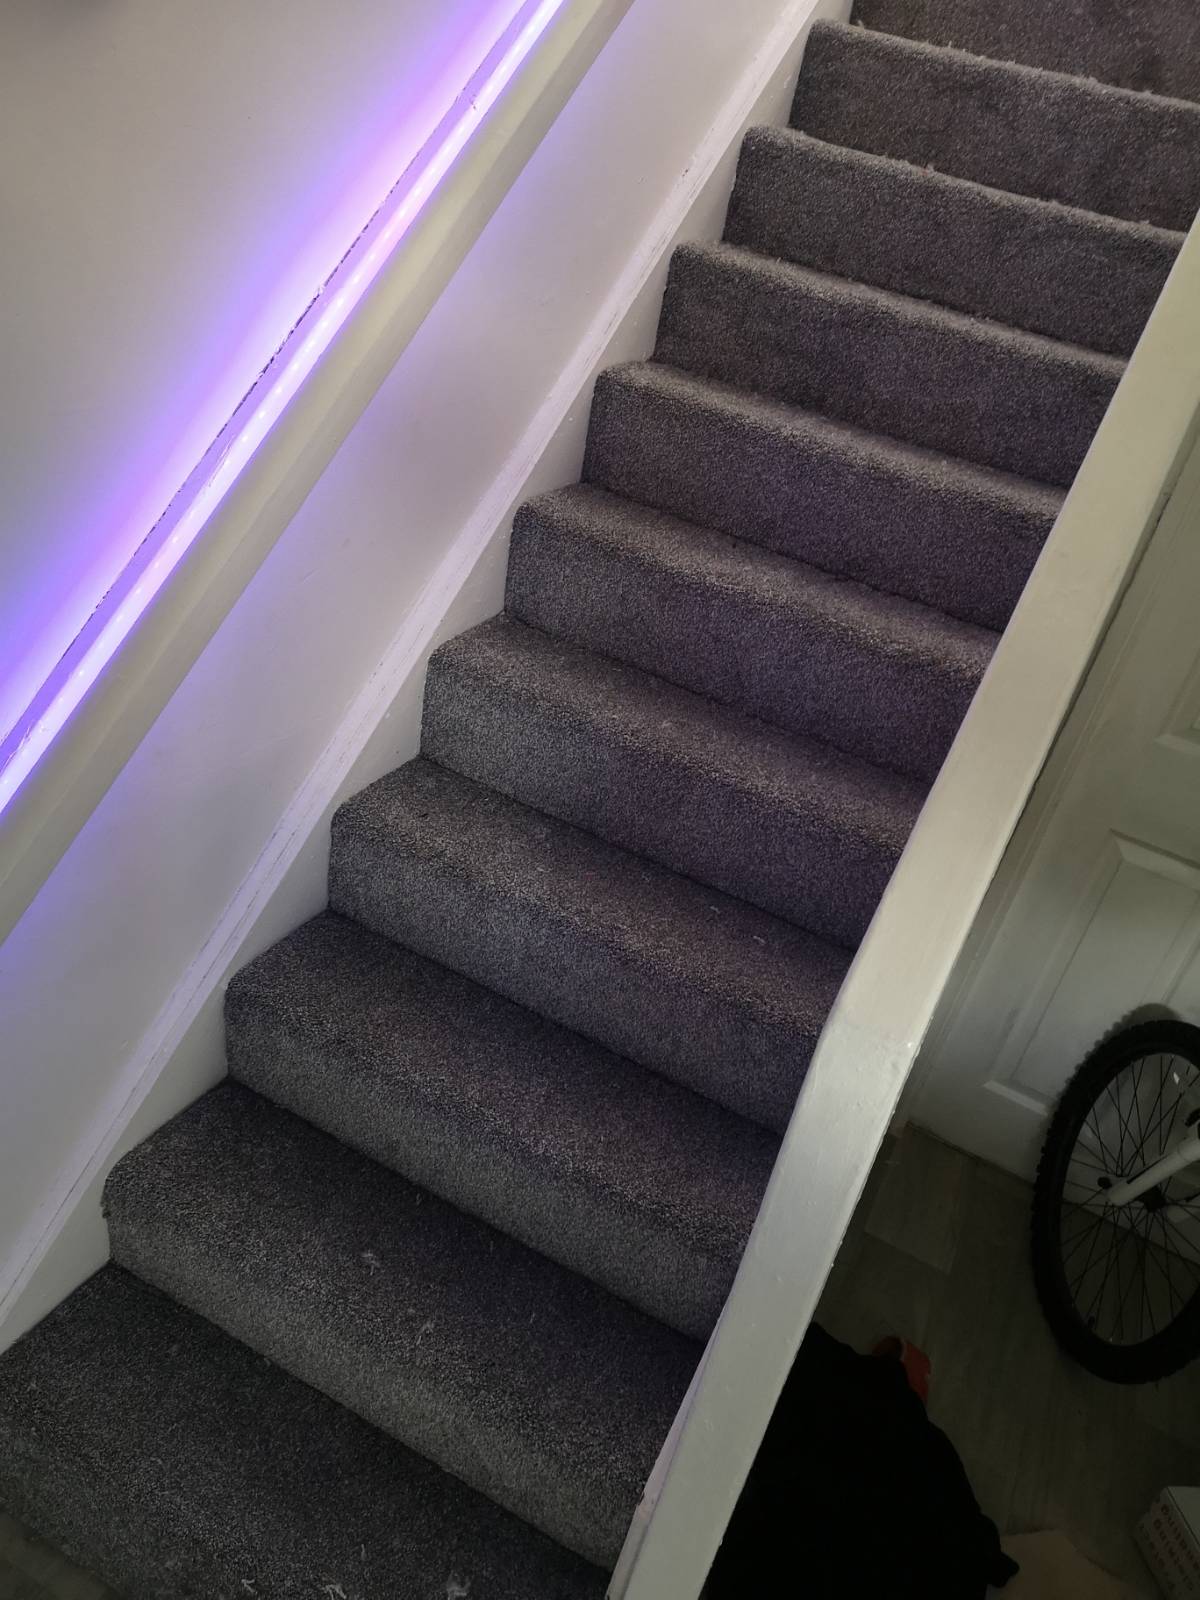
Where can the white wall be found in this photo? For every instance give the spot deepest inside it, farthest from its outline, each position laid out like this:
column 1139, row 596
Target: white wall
column 176, row 180
column 213, row 840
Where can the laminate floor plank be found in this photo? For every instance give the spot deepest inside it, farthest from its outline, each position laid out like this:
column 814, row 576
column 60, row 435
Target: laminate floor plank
column 1046, row 1445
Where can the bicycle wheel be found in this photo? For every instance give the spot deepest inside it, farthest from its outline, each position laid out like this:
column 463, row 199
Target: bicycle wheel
column 1120, row 1285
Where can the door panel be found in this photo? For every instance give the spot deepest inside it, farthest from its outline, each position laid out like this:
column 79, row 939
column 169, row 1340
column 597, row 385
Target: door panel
column 1095, row 913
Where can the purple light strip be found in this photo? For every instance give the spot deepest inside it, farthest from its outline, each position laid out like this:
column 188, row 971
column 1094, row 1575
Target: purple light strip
column 222, row 465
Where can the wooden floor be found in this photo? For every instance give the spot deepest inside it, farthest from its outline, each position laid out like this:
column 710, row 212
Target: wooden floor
column 937, row 1252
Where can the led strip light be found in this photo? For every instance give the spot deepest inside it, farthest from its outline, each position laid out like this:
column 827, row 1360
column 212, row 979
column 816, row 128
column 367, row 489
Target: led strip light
column 222, row 464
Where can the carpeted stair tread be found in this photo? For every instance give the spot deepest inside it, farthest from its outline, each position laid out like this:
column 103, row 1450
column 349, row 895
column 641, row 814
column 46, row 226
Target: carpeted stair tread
column 1051, row 269
column 608, row 1168
column 174, row 1462
column 929, row 527
column 529, row 1383
column 916, row 371
column 874, row 675
column 1139, row 44
column 1011, row 127
column 715, row 994
column 789, row 824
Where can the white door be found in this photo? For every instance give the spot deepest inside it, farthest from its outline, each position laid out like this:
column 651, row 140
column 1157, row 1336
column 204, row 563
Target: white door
column 1095, row 913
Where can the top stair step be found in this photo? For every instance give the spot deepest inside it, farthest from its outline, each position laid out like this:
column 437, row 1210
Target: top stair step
column 1018, row 128
column 1153, row 44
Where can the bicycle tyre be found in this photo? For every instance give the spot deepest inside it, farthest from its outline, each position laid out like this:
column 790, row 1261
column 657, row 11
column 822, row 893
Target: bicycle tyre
column 1171, row 1345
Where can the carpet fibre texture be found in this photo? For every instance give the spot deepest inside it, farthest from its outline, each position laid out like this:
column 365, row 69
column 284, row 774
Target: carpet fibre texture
column 404, row 1309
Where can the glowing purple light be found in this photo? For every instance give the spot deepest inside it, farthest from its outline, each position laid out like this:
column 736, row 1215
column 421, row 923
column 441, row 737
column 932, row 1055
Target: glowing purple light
column 106, row 630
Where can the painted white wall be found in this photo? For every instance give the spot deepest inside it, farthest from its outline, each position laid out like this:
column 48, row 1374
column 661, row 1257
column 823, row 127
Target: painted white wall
column 1094, row 916
column 175, row 183
column 214, row 839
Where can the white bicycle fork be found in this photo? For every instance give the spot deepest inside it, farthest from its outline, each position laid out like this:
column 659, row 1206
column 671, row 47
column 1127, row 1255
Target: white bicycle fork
column 1185, row 1153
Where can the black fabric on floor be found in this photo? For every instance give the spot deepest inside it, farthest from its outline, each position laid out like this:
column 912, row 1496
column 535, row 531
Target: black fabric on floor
column 855, row 1492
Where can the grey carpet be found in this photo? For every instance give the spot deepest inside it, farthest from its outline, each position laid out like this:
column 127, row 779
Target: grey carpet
column 1140, row 44
column 614, row 1171
column 179, row 1465
column 709, row 991
column 871, row 673
column 959, row 538
column 945, row 239
column 501, row 1118
column 904, row 367
column 1019, row 128
column 791, row 825
column 524, row 1380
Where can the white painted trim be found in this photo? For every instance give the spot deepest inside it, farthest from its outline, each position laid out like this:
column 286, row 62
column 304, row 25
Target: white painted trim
column 372, row 737
column 76, row 772
column 918, row 934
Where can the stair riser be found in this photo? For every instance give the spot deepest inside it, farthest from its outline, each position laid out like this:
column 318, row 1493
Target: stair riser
column 750, row 846
column 1006, row 400
column 459, row 1157
column 567, row 972
column 1028, row 132
column 748, row 653
column 789, row 482
column 1068, row 274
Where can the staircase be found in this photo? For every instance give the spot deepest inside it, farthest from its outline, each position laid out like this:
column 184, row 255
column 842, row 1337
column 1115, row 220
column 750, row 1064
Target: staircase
column 404, row 1310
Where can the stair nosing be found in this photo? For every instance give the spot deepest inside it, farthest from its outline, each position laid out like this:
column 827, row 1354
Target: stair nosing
column 808, row 579
column 593, row 1178
column 802, row 943
column 903, row 44
column 910, row 308
column 901, row 454
column 774, row 133
column 848, row 770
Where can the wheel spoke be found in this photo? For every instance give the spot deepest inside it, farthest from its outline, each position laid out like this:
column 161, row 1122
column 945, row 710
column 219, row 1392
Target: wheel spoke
column 1130, row 1238
column 1162, row 1083
column 1078, row 1284
column 1137, row 1109
column 1144, row 1298
column 1129, row 1271
column 1176, row 1302
column 1092, row 1166
column 1184, row 1251
column 1106, row 1156
column 1164, row 1142
column 1152, row 1258
column 1077, row 1242
column 1096, row 1305
column 1108, row 1089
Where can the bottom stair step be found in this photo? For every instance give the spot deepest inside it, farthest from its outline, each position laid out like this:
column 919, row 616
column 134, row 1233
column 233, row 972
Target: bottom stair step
column 176, row 1464
column 539, row 1389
